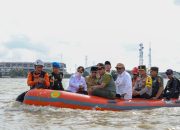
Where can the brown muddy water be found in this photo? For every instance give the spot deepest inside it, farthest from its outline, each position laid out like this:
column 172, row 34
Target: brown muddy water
column 16, row 116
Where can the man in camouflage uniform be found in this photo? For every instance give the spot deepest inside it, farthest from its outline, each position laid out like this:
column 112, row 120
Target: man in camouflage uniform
column 143, row 86
column 106, row 86
column 157, row 84
column 92, row 79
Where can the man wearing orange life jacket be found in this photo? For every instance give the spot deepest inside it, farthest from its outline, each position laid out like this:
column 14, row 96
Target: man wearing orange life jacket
column 36, row 79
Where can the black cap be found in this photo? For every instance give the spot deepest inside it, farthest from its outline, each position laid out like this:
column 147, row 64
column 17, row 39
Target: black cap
column 155, row 69
column 94, row 68
column 142, row 67
column 169, row 71
column 107, row 63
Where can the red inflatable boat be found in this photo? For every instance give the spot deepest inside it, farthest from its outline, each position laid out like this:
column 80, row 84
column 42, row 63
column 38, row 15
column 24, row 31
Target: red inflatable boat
column 62, row 99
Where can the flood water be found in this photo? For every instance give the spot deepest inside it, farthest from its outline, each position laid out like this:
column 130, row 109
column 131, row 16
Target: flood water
column 16, row 116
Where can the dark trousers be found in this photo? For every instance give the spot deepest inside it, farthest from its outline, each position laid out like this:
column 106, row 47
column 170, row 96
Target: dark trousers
column 83, row 92
column 146, row 96
column 118, row 96
column 20, row 98
column 104, row 93
column 169, row 95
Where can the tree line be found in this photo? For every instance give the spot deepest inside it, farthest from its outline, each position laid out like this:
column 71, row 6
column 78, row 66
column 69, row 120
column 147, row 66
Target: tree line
column 21, row 73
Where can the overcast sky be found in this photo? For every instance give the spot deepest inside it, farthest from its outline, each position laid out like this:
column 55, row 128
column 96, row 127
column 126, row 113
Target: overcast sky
column 69, row 30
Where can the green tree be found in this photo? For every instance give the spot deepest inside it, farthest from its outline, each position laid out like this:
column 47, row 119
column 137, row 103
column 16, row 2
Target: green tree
column 17, row 73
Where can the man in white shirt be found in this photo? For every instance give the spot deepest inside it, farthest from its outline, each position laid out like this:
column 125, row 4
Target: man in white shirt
column 77, row 83
column 123, row 83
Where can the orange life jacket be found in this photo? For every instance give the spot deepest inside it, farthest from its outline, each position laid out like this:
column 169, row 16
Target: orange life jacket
column 32, row 76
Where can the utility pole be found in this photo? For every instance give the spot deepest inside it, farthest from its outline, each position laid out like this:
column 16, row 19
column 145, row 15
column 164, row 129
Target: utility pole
column 86, row 60
column 93, row 63
column 75, row 67
column 61, row 57
column 141, row 54
column 149, row 55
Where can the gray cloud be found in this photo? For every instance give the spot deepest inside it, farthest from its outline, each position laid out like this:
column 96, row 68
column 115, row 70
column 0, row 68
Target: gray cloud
column 23, row 42
column 177, row 2
column 64, row 42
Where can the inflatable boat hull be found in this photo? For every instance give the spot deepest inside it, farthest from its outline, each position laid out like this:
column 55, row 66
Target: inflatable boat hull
column 62, row 99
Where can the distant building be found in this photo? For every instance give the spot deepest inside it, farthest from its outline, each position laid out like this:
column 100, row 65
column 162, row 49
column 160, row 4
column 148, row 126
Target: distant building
column 6, row 67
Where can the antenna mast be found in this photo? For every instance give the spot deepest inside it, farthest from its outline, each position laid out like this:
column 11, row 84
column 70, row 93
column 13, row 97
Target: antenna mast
column 149, row 56
column 141, row 54
column 86, row 60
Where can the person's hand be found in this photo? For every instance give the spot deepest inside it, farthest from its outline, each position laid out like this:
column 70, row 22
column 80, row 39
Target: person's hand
column 94, row 87
column 36, row 81
column 138, row 93
column 81, row 88
column 90, row 91
column 41, row 80
column 122, row 95
column 135, row 93
column 97, row 76
column 154, row 98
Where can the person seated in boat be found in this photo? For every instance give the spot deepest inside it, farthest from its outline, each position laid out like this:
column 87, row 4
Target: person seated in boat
column 108, row 70
column 123, row 83
column 92, row 79
column 77, row 83
column 143, row 86
column 107, row 66
column 157, row 83
column 135, row 76
column 172, row 89
column 36, row 79
column 106, row 86
column 56, row 77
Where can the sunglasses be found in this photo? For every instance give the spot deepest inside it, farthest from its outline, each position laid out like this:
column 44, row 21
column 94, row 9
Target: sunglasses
column 135, row 74
column 100, row 68
column 119, row 68
column 81, row 72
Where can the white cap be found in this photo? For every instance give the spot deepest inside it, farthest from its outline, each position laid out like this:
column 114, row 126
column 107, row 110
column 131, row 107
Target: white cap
column 39, row 62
